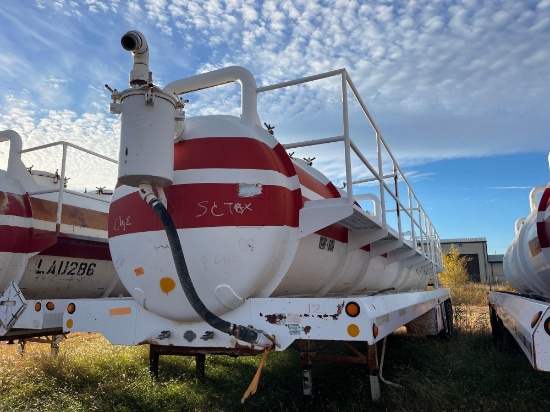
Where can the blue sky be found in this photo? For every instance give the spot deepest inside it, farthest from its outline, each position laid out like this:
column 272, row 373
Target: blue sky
column 459, row 89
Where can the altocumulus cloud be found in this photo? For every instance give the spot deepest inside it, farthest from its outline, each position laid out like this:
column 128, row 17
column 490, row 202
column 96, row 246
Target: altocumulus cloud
column 439, row 77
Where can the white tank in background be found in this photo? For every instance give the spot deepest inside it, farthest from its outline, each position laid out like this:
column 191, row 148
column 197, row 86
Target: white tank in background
column 527, row 260
column 53, row 243
column 525, row 315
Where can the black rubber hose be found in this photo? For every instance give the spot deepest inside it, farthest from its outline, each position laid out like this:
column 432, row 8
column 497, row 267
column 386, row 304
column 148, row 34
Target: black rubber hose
column 240, row 332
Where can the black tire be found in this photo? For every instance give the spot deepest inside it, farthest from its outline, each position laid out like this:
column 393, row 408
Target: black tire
column 496, row 326
column 447, row 308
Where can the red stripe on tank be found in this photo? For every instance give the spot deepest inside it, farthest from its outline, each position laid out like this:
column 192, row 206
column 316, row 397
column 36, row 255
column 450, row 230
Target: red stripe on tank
column 13, row 204
column 314, row 185
column 79, row 249
column 16, row 239
column 543, row 228
column 231, row 153
column 207, row 205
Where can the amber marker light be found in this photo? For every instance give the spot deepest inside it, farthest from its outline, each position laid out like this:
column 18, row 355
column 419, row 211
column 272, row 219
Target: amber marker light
column 50, row 306
column 536, row 319
column 547, row 325
column 353, row 330
column 71, row 307
column 38, row 306
column 374, row 330
column 352, row 309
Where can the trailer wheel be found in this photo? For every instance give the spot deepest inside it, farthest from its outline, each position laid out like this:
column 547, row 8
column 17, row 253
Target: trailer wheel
column 502, row 337
column 496, row 326
column 447, row 307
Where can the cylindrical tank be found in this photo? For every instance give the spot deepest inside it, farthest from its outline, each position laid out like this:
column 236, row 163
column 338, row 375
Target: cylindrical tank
column 527, row 260
column 146, row 136
column 235, row 201
column 72, row 261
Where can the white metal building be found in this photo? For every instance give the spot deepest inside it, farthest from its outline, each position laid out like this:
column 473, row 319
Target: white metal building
column 496, row 269
column 476, row 250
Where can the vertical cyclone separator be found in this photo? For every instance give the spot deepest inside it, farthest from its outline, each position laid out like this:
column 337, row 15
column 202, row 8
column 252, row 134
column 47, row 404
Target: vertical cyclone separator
column 148, row 121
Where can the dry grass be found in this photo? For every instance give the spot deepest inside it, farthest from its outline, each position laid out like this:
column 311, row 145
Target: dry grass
column 466, row 373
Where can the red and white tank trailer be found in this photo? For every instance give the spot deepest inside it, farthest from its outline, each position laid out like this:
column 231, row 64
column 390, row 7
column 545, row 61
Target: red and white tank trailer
column 526, row 314
column 229, row 245
column 53, row 247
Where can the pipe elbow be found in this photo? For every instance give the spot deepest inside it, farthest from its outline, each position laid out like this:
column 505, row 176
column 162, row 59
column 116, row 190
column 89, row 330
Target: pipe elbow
column 135, row 42
column 13, row 137
column 249, row 110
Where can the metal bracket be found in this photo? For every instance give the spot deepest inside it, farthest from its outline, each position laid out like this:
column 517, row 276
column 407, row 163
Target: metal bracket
column 384, row 247
column 358, row 239
column 12, row 305
column 394, row 257
column 149, row 97
column 318, row 214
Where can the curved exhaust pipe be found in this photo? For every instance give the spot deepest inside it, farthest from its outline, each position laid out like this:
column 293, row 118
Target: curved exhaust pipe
column 16, row 167
column 135, row 42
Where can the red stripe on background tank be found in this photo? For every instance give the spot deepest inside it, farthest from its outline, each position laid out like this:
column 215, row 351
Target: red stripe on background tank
column 197, row 205
column 18, row 239
column 231, row 153
column 15, row 239
column 12, row 204
column 543, row 227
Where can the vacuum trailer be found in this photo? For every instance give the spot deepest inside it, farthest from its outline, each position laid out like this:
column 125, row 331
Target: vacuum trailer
column 526, row 314
column 227, row 244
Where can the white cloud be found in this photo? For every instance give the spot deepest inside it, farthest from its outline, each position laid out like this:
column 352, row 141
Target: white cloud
column 439, row 77
column 510, row 187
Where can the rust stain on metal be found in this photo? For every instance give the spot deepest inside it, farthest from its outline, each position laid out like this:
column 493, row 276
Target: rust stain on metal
column 149, row 341
column 11, row 202
column 276, row 318
column 3, row 201
column 338, row 311
column 307, row 329
column 191, row 351
column 70, row 215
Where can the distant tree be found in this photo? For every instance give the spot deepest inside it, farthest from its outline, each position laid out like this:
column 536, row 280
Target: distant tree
column 454, row 272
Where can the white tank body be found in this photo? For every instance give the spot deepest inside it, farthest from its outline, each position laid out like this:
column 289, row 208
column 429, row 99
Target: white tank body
column 527, row 260
column 235, row 201
column 46, row 261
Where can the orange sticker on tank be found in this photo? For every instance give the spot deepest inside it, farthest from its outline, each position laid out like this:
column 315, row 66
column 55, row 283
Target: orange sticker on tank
column 167, row 285
column 120, row 311
column 139, row 271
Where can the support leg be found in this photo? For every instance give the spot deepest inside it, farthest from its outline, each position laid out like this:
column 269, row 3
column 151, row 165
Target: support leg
column 21, row 346
column 54, row 345
column 372, row 364
column 200, row 363
column 306, row 369
column 153, row 363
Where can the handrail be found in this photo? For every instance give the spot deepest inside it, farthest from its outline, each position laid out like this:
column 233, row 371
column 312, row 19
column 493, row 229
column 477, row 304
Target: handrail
column 424, row 236
column 62, row 189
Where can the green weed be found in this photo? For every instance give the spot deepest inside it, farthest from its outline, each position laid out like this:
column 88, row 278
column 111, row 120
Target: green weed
column 465, row 373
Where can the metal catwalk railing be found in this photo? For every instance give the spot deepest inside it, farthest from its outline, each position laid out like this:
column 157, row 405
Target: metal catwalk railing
column 61, row 190
column 423, row 235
